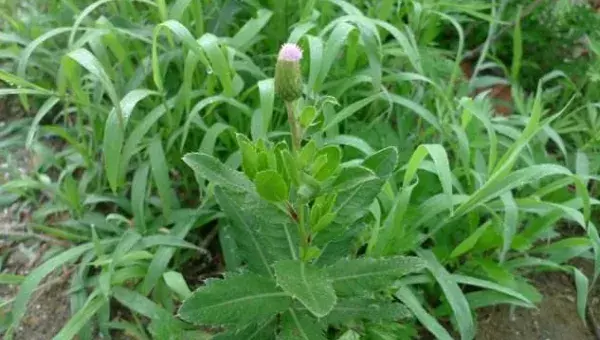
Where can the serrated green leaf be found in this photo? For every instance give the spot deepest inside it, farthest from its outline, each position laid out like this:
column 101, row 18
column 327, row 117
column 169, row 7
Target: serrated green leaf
column 356, row 276
column 263, row 331
column 262, row 232
column 296, row 325
column 236, row 300
column 352, row 204
column 208, row 167
column 308, row 284
column 359, row 309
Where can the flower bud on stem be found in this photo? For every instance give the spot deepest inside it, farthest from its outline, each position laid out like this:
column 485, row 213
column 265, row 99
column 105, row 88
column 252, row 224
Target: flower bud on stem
column 288, row 85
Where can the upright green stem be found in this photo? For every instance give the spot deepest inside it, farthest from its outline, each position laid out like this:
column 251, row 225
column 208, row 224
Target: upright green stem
column 294, row 127
column 303, row 232
column 300, row 208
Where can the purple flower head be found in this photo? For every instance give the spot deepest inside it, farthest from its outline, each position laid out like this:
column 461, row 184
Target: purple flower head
column 290, row 52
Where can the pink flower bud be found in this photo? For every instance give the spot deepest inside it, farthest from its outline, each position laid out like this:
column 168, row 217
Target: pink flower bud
column 290, row 52
column 288, row 80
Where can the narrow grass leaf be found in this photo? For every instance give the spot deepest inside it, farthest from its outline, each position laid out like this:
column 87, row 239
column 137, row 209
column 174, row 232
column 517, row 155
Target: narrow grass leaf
column 407, row 297
column 114, row 134
column 243, row 39
column 453, row 294
column 42, row 112
column 80, row 319
column 176, row 282
column 349, row 111
column 160, row 173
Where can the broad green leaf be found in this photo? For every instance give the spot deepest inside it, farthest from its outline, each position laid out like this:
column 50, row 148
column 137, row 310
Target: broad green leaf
column 351, row 177
column 383, row 162
column 271, row 186
column 296, row 325
column 228, row 301
column 208, row 167
column 362, row 308
column 332, row 160
column 353, row 203
column 356, row 276
column 308, row 284
column 261, row 331
column 263, row 233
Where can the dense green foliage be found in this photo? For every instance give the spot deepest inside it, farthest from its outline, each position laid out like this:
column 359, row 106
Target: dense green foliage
column 410, row 202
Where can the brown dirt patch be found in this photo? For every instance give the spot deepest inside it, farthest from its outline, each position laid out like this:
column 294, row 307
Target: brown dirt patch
column 46, row 315
column 555, row 319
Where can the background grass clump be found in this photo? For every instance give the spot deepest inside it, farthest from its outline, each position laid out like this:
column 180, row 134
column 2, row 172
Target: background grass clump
column 139, row 114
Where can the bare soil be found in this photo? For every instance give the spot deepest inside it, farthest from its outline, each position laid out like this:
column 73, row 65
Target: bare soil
column 48, row 310
column 555, row 319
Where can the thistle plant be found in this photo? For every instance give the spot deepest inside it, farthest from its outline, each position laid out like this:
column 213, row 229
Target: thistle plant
column 297, row 218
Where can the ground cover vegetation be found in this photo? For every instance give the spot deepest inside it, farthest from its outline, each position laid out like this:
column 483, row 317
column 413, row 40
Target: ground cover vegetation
column 391, row 170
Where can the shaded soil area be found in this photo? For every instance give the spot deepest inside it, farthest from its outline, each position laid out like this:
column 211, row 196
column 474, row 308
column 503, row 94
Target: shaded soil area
column 555, row 319
column 47, row 311
column 46, row 315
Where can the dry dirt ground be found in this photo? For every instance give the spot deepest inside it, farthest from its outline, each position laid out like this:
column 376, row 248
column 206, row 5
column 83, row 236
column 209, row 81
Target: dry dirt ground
column 48, row 311
column 555, row 319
